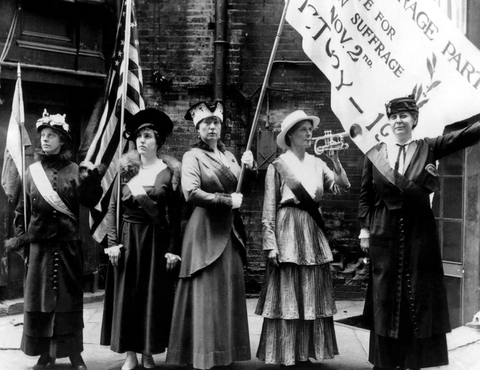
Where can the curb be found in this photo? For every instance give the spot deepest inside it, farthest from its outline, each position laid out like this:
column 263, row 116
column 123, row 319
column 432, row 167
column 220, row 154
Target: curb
column 15, row 306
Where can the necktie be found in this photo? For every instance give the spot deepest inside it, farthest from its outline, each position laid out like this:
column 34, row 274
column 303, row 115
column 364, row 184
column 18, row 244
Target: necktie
column 401, row 156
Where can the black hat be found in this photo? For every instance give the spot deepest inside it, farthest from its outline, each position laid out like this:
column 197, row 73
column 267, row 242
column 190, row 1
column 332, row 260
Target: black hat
column 150, row 117
column 405, row 104
column 55, row 122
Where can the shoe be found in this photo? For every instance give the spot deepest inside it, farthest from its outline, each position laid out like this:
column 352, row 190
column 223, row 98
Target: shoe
column 77, row 362
column 43, row 362
column 131, row 361
column 147, row 362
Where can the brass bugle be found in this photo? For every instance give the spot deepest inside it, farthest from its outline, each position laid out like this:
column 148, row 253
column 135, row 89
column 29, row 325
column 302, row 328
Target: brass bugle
column 329, row 142
column 362, row 137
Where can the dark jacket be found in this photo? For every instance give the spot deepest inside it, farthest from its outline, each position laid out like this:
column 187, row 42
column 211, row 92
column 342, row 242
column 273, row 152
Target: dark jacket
column 404, row 245
column 54, row 269
column 44, row 222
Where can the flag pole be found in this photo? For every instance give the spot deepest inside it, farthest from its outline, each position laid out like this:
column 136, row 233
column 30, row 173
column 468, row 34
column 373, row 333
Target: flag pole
column 21, row 121
column 126, row 61
column 262, row 91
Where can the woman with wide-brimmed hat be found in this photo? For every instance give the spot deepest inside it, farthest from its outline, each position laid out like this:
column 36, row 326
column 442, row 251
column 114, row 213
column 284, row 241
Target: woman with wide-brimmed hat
column 406, row 305
column 50, row 243
column 210, row 326
column 296, row 301
column 144, row 251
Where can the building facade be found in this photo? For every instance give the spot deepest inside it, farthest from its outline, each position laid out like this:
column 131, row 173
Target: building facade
column 193, row 50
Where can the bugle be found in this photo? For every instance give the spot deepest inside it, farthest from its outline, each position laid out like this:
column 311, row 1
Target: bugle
column 362, row 137
column 329, row 142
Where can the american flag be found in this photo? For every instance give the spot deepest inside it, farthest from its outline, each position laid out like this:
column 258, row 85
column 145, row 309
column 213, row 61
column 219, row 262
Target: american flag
column 106, row 145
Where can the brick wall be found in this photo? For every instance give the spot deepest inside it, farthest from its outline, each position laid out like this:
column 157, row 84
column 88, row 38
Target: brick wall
column 176, row 40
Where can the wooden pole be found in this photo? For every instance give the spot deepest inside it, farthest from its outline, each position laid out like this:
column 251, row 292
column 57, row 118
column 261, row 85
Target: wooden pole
column 262, row 91
column 21, row 118
column 126, row 61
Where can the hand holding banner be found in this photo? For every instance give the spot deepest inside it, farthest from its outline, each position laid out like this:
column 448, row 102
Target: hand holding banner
column 373, row 51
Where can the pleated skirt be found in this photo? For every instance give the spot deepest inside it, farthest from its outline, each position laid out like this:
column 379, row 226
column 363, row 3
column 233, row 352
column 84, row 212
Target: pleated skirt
column 298, row 307
column 209, row 325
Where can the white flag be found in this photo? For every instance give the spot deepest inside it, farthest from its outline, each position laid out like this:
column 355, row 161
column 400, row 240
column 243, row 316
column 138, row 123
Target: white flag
column 373, row 51
column 17, row 137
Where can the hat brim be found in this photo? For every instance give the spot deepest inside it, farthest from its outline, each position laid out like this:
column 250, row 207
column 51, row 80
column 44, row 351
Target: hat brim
column 65, row 133
column 281, row 136
column 150, row 117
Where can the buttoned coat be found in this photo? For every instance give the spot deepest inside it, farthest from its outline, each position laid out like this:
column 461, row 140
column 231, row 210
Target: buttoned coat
column 54, row 259
column 404, row 245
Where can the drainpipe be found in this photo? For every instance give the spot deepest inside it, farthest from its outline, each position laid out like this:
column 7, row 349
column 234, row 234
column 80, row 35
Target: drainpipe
column 220, row 47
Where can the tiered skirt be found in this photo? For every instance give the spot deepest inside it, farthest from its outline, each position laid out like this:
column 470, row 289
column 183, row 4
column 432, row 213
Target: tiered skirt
column 298, row 307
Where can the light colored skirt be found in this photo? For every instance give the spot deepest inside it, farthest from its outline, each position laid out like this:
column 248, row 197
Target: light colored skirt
column 298, row 307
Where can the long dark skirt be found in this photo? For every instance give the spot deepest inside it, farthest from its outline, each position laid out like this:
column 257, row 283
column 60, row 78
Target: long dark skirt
column 138, row 294
column 406, row 351
column 209, row 325
column 53, row 315
column 59, row 334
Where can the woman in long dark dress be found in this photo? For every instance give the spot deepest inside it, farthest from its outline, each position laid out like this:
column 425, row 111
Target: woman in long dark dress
column 51, row 245
column 406, row 303
column 143, row 254
column 209, row 326
column 296, row 301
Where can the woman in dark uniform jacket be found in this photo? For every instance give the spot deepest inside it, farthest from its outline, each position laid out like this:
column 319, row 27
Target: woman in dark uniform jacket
column 406, row 303
column 53, row 291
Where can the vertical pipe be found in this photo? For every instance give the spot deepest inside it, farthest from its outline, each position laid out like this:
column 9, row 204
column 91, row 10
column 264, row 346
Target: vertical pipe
column 220, row 45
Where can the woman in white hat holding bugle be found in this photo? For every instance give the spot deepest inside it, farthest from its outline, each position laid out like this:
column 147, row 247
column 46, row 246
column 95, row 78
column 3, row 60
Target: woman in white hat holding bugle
column 297, row 299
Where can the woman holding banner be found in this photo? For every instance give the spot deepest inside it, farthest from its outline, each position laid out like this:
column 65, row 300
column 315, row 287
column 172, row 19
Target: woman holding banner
column 143, row 251
column 406, row 305
column 47, row 229
column 209, row 325
column 297, row 299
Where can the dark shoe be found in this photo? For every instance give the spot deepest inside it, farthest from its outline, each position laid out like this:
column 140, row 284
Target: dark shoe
column 303, row 363
column 148, row 362
column 43, row 362
column 77, row 362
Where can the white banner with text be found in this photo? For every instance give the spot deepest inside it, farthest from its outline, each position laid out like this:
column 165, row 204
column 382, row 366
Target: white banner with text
column 375, row 50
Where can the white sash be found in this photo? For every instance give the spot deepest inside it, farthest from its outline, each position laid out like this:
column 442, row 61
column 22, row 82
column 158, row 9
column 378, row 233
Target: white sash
column 136, row 187
column 46, row 190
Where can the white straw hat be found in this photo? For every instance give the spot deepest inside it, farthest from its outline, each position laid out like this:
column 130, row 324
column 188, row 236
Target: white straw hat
column 290, row 121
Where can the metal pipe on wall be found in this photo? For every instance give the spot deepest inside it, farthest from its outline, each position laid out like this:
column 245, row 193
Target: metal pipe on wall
column 220, row 46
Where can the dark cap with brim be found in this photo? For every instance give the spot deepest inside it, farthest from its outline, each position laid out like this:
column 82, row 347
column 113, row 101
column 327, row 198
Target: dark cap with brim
column 150, row 117
column 405, row 104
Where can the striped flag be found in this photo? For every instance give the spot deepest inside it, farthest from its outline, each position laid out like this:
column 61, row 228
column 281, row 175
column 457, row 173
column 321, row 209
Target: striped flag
column 106, row 145
column 17, row 140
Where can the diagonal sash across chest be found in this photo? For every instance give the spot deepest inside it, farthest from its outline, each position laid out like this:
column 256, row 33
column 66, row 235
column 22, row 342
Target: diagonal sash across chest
column 141, row 196
column 400, row 181
column 224, row 174
column 47, row 192
column 306, row 201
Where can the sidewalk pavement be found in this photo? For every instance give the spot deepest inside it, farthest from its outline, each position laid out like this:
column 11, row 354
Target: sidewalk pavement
column 464, row 343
